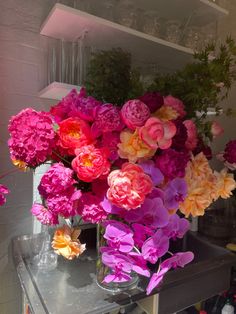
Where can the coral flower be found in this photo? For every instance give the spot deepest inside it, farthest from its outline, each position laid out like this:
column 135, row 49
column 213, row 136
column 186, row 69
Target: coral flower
column 198, row 167
column 91, row 163
column 128, row 186
column 132, row 147
column 225, row 183
column 74, row 133
column 135, row 113
column 176, row 104
column 216, row 129
column 65, row 242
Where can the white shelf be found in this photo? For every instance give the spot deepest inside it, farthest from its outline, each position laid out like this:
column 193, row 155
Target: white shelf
column 66, row 23
column 57, row 90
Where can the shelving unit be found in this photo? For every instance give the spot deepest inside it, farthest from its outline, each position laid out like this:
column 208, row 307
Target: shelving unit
column 57, row 90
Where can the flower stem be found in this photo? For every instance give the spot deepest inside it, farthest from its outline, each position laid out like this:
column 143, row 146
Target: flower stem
column 61, row 157
column 137, row 250
column 170, row 253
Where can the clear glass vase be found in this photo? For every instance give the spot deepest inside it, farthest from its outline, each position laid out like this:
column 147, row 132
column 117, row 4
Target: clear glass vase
column 103, row 270
column 46, row 259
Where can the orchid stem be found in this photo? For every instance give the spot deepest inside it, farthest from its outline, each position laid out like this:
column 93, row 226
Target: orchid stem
column 170, row 253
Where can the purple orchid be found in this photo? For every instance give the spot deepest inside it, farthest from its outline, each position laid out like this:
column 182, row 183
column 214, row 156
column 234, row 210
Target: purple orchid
column 175, row 193
column 120, row 264
column 177, row 227
column 156, row 279
column 155, row 247
column 112, row 209
column 141, row 233
column 151, row 169
column 157, row 192
column 178, row 260
column 139, row 265
column 119, row 236
column 152, row 213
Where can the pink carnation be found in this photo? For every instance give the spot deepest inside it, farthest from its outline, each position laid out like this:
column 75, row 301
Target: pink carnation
column 107, row 119
column 135, row 113
column 216, row 129
column 56, row 180
column 90, row 208
column 128, row 186
column 110, row 140
column 91, row 163
column 175, row 104
column 32, row 137
column 192, row 139
column 45, row 216
column 3, row 190
column 172, row 163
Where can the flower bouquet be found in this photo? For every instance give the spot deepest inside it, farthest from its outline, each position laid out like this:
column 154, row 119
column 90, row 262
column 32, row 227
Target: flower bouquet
column 131, row 170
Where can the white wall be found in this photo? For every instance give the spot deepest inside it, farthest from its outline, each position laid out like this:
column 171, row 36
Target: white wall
column 22, row 74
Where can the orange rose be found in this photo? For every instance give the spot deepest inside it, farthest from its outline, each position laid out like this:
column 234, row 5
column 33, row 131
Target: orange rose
column 65, row 242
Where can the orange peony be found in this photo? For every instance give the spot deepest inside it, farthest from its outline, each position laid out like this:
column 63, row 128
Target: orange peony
column 166, row 113
column 65, row 242
column 91, row 163
column 74, row 133
column 128, row 186
column 132, row 147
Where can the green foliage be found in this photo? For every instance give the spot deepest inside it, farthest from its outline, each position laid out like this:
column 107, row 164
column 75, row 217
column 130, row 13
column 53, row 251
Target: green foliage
column 110, row 78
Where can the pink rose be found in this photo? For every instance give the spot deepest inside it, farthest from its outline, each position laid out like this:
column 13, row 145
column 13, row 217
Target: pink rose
column 216, row 129
column 152, row 132
column 125, row 189
column 135, row 113
column 175, row 104
column 192, row 139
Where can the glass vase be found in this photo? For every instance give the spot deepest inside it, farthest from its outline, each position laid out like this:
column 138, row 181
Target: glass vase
column 46, row 259
column 102, row 270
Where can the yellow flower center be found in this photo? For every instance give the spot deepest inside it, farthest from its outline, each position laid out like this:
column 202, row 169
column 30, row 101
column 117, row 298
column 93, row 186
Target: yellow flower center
column 87, row 161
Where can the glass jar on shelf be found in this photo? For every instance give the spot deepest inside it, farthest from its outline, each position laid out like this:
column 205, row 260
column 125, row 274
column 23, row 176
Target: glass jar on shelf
column 152, row 24
column 193, row 38
column 173, row 31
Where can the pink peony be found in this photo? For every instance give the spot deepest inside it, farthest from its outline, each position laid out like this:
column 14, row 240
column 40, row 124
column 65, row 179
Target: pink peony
column 153, row 100
column 107, row 119
column 90, row 209
column 64, row 204
column 128, row 186
column 172, row 163
column 135, row 113
column 216, row 129
column 192, row 139
column 45, row 216
column 56, row 180
column 91, row 163
column 230, row 152
column 3, row 190
column 175, row 104
column 32, row 137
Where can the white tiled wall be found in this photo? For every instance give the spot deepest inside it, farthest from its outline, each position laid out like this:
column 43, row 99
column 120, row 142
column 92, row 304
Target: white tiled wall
column 23, row 60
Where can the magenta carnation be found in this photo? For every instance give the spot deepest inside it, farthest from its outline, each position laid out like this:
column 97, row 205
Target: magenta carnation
column 90, row 209
column 64, row 204
column 45, row 216
column 32, row 137
column 230, row 152
column 135, row 113
column 181, row 136
column 175, row 104
column 172, row 163
column 153, row 100
column 56, row 180
column 107, row 119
